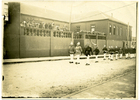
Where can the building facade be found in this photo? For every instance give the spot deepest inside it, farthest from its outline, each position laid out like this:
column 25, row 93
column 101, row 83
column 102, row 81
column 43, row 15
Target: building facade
column 35, row 32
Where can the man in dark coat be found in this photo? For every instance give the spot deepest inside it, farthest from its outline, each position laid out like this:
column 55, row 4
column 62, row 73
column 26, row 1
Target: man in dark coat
column 88, row 51
column 116, row 51
column 96, row 54
column 111, row 53
column 120, row 52
column 104, row 51
column 126, row 52
column 71, row 52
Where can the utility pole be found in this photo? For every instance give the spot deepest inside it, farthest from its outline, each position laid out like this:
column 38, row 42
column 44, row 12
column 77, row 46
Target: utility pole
column 70, row 22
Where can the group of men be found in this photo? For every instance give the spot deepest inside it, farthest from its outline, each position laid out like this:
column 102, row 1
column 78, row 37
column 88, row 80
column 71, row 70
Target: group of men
column 78, row 51
column 88, row 51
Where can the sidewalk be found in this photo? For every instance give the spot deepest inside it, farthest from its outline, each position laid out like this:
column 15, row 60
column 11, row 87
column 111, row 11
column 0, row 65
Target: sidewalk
column 24, row 60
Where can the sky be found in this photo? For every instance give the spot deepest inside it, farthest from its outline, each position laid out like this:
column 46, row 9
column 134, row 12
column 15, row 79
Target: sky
column 124, row 11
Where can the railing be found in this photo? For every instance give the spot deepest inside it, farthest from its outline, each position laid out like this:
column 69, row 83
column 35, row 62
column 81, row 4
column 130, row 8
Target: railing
column 63, row 34
column 36, row 32
column 29, row 31
column 78, row 36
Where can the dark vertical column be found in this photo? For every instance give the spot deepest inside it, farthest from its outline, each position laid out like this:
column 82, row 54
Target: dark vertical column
column 12, row 31
column 51, row 43
column 97, row 39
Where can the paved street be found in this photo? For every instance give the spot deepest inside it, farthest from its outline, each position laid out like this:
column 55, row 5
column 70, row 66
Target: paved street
column 122, row 87
column 58, row 78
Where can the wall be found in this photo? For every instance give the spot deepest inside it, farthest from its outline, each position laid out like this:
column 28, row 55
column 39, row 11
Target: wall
column 36, row 19
column 100, row 25
column 60, row 46
column 100, row 43
column 121, row 37
column 114, row 43
column 43, row 44
column 33, row 45
column 11, row 31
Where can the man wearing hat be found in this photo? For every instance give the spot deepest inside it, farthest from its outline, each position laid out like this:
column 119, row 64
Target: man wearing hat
column 71, row 52
column 116, row 51
column 78, row 51
column 96, row 53
column 120, row 52
column 88, row 51
column 104, row 51
column 109, row 53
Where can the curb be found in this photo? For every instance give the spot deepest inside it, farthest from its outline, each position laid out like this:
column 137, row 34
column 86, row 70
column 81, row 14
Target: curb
column 48, row 59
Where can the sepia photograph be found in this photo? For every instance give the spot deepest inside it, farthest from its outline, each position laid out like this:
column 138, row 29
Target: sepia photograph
column 69, row 49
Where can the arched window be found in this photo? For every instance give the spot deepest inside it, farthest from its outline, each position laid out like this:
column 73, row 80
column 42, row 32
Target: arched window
column 114, row 30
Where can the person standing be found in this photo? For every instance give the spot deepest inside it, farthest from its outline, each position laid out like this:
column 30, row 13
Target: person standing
column 111, row 53
column 78, row 51
column 120, row 52
column 126, row 53
column 71, row 52
column 104, row 51
column 88, row 51
column 96, row 54
column 116, row 51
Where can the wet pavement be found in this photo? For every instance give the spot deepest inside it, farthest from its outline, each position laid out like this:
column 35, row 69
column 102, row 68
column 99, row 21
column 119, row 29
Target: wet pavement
column 54, row 79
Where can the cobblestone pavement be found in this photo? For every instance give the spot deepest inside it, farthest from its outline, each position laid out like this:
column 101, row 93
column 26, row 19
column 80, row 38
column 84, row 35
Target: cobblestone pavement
column 52, row 79
column 122, row 87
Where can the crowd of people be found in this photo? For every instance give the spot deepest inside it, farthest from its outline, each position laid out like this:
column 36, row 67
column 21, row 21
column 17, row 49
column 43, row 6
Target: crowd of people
column 112, row 52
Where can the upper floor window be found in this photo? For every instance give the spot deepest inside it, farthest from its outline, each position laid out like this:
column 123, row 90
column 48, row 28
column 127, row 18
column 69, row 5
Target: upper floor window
column 77, row 28
column 120, row 31
column 114, row 30
column 110, row 29
column 92, row 28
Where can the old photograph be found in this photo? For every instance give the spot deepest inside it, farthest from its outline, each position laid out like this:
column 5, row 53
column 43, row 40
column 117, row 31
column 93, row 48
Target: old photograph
column 69, row 49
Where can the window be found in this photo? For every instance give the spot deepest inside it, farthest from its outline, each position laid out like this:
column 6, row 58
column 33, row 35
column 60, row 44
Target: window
column 110, row 29
column 126, row 32
column 92, row 28
column 77, row 28
column 114, row 30
column 120, row 31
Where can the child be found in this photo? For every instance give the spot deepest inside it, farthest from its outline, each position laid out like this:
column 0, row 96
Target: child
column 71, row 52
column 78, row 50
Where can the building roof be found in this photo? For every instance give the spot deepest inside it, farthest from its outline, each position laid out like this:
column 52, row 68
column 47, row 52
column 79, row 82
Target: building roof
column 44, row 13
column 50, row 14
column 95, row 15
